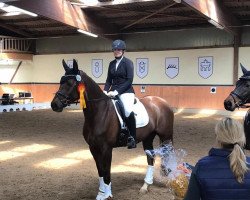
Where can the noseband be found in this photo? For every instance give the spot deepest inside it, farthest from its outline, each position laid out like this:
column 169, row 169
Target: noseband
column 242, row 102
column 239, row 103
column 66, row 100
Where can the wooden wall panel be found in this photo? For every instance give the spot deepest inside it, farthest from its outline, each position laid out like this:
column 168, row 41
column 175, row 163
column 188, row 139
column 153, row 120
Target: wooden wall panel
column 40, row 92
column 198, row 97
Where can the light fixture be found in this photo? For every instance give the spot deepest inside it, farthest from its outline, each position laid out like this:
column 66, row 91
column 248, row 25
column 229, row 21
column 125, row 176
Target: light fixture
column 2, row 5
column 216, row 24
column 13, row 9
column 87, row 33
column 177, row 1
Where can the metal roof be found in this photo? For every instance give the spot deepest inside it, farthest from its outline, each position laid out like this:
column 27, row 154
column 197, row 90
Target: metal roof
column 121, row 18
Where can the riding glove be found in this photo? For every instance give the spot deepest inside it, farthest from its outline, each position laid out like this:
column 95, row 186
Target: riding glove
column 105, row 92
column 112, row 93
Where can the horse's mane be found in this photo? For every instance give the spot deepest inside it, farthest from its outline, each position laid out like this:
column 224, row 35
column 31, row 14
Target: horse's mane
column 92, row 88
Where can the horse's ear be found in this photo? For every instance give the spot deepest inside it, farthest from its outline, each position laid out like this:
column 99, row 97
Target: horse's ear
column 244, row 70
column 65, row 66
column 75, row 66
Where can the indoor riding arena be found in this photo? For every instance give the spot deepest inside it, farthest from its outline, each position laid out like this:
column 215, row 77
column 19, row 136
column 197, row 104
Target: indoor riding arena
column 188, row 53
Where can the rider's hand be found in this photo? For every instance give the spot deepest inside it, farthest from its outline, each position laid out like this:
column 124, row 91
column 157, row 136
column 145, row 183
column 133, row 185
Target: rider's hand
column 112, row 93
column 105, row 92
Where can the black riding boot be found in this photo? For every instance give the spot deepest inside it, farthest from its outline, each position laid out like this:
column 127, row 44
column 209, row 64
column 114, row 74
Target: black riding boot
column 130, row 120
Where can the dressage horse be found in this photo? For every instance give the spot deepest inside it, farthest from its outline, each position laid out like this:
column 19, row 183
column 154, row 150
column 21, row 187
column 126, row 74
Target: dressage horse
column 102, row 127
column 239, row 98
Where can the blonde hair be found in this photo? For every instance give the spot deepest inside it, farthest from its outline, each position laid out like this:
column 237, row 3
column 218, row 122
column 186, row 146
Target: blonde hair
column 230, row 135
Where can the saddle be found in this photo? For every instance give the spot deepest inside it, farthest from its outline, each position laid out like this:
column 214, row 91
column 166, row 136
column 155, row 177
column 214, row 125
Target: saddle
column 141, row 118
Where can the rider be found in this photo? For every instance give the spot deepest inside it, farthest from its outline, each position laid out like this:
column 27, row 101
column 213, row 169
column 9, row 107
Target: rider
column 119, row 82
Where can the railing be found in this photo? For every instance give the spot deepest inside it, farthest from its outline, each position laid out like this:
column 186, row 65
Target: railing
column 15, row 45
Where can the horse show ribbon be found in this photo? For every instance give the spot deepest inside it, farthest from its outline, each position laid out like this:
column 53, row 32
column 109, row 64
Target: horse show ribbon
column 81, row 89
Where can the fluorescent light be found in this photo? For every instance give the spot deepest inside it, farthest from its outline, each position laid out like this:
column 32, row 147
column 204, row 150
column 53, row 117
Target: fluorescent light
column 12, row 14
column 87, row 33
column 10, row 9
column 2, row 5
column 28, row 13
column 216, row 24
column 177, row 1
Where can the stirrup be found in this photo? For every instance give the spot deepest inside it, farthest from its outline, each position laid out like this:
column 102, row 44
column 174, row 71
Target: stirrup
column 131, row 143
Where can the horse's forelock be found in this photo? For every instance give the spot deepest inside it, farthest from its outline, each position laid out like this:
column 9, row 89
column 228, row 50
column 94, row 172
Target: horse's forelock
column 71, row 72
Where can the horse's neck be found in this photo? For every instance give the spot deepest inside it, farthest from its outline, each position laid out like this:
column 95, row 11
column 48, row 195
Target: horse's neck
column 93, row 91
column 96, row 101
column 96, row 112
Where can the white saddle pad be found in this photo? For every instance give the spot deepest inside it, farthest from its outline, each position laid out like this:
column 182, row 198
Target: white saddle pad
column 141, row 115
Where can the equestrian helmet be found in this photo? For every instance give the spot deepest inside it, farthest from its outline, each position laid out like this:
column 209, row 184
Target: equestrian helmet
column 118, row 44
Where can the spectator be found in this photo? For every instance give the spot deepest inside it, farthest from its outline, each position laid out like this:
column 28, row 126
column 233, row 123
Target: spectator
column 224, row 173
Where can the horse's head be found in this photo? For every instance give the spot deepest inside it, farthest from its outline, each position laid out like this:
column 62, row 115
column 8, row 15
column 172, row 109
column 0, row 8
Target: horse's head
column 68, row 90
column 241, row 94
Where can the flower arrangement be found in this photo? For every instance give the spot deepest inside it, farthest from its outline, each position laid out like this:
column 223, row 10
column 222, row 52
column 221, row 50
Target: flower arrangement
column 173, row 169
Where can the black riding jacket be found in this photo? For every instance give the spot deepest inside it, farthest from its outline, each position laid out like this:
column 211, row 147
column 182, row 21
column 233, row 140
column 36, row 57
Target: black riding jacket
column 122, row 78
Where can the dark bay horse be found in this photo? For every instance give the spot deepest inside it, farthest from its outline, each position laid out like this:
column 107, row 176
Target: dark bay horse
column 102, row 128
column 239, row 98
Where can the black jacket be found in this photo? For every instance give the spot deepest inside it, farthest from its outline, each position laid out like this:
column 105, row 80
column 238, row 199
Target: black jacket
column 122, row 78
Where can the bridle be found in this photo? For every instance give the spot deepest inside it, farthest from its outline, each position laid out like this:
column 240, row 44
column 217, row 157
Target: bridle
column 66, row 100
column 242, row 103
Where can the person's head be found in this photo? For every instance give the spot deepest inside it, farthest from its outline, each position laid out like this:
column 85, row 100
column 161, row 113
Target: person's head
column 230, row 135
column 118, row 47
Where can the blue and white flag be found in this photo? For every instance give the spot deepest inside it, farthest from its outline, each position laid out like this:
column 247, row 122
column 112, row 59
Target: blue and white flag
column 142, row 67
column 205, row 66
column 172, row 66
column 97, row 67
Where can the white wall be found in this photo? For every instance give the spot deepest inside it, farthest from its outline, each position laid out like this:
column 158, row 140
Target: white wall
column 24, row 73
column 244, row 59
column 48, row 68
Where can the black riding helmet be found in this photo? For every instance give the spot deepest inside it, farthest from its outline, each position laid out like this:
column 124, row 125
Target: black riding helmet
column 118, row 44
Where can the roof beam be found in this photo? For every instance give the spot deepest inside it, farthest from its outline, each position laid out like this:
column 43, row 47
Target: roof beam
column 213, row 9
column 150, row 15
column 111, row 3
column 12, row 29
column 61, row 11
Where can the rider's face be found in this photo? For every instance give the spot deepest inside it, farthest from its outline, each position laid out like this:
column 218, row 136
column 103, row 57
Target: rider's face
column 118, row 52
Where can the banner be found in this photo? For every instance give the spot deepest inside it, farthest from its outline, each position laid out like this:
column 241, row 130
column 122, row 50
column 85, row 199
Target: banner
column 172, row 66
column 97, row 67
column 205, row 66
column 142, row 67
column 70, row 63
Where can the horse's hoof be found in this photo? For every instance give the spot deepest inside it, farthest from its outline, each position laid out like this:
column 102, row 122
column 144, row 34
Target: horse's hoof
column 102, row 196
column 144, row 188
column 143, row 191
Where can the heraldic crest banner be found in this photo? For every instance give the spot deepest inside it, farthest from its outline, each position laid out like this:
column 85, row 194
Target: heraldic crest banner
column 142, row 67
column 205, row 66
column 172, row 66
column 97, row 67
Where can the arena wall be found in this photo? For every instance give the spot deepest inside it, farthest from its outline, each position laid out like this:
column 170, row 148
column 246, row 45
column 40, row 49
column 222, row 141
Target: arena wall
column 187, row 90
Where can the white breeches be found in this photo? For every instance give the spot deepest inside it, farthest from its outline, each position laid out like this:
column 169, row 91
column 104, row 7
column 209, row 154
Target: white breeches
column 128, row 102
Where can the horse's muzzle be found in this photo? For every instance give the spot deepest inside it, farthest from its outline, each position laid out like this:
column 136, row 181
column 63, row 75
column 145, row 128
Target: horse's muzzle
column 55, row 107
column 228, row 105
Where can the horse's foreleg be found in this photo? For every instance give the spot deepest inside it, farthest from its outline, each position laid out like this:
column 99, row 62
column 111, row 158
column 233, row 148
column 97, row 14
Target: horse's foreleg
column 103, row 162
